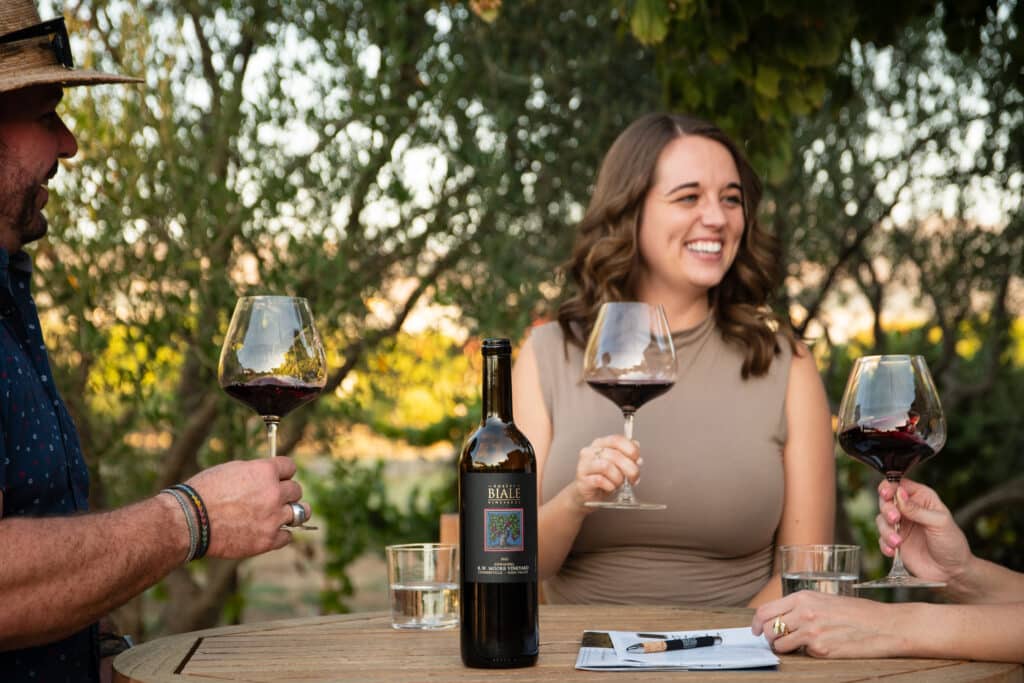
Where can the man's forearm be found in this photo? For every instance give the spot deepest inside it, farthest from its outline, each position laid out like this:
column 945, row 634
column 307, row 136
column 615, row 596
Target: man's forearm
column 59, row 574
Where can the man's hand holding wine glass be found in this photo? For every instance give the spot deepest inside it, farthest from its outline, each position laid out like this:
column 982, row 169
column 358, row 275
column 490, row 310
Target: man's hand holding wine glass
column 603, row 466
column 247, row 502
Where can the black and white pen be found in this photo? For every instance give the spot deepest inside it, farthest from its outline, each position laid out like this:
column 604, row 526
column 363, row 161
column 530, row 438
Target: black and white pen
column 674, row 644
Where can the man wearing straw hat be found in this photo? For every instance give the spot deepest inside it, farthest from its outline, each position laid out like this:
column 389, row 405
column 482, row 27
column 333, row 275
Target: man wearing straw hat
column 61, row 570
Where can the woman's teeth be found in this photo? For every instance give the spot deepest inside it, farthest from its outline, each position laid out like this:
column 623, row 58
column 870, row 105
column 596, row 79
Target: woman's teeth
column 704, row 247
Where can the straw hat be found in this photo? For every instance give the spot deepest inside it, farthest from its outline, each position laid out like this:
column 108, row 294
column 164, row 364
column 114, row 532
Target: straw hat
column 34, row 61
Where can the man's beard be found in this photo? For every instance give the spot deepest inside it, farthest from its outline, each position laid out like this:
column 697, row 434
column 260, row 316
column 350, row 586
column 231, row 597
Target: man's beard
column 18, row 197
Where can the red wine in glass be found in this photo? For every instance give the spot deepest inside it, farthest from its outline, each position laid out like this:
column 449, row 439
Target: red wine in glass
column 630, row 395
column 890, row 452
column 630, row 360
column 273, row 396
column 890, row 418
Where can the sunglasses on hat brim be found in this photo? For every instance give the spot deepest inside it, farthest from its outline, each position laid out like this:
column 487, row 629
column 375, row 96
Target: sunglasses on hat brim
column 56, row 28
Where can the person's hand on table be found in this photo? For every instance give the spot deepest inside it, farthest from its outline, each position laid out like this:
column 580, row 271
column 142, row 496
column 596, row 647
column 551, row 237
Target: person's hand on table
column 248, row 502
column 603, row 465
column 828, row 626
column 931, row 544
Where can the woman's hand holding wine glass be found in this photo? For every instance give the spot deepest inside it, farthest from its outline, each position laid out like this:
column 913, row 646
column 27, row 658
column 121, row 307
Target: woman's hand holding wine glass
column 603, row 466
column 931, row 544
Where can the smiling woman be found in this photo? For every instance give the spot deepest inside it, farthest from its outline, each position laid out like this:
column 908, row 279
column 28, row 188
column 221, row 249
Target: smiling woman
column 742, row 442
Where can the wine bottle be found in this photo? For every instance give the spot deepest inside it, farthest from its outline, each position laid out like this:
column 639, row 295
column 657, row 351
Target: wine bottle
column 498, row 529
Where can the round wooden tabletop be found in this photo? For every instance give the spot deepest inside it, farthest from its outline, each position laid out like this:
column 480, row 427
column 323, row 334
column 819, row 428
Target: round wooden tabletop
column 364, row 647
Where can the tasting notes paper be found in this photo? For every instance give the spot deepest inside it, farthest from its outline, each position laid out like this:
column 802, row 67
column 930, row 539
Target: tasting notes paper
column 739, row 649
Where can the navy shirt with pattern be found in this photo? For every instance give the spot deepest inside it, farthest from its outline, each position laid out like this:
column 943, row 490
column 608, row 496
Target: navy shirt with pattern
column 42, row 471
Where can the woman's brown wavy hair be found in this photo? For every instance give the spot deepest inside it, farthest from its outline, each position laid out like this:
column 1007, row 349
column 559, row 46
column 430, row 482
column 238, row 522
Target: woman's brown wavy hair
column 605, row 262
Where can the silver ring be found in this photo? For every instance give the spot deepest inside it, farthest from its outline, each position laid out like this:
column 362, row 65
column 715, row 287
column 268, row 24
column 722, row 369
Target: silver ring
column 298, row 515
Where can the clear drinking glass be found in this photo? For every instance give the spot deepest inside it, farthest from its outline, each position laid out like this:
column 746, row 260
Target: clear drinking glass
column 824, row 568
column 272, row 359
column 424, row 585
column 629, row 359
column 890, row 418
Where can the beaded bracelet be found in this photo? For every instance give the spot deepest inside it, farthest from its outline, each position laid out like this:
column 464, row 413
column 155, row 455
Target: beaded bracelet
column 190, row 519
column 202, row 516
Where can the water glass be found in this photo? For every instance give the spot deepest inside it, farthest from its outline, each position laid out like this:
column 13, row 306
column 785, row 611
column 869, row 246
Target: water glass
column 424, row 585
column 824, row 568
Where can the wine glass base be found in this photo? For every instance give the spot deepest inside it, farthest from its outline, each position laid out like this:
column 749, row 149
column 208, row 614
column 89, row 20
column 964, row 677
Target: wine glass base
column 899, row 582
column 305, row 527
column 624, row 505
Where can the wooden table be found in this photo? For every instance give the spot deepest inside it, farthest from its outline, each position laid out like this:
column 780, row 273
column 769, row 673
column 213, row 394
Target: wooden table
column 364, row 647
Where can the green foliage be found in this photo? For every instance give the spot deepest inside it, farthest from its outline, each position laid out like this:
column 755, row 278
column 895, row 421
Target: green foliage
column 360, row 518
column 754, row 67
column 649, row 21
column 886, row 205
column 418, row 388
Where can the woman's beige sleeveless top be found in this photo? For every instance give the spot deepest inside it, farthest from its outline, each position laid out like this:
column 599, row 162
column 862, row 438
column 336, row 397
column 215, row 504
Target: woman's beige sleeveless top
column 712, row 450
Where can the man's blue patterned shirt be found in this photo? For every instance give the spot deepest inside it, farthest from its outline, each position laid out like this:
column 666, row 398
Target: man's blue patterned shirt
column 42, row 471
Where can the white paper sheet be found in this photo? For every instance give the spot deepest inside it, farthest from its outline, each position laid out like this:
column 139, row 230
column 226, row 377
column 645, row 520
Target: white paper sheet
column 739, row 649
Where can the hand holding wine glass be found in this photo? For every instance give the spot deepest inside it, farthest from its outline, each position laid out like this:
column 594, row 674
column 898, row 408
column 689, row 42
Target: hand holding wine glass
column 629, row 359
column 890, row 418
column 931, row 543
column 272, row 360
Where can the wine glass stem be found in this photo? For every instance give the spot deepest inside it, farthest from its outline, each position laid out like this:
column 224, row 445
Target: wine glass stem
column 272, row 436
column 625, row 494
column 897, row 570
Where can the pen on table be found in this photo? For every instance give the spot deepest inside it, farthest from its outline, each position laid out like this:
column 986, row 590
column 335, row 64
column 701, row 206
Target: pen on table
column 674, row 644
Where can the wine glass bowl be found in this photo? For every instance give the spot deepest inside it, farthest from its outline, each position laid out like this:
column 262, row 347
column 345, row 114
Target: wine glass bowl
column 890, row 418
column 272, row 359
column 629, row 359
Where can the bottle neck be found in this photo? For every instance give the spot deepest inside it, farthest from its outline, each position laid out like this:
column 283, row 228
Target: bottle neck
column 497, row 390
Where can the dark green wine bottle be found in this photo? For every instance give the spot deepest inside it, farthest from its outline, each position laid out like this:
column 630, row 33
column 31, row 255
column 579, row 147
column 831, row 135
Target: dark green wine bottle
column 498, row 529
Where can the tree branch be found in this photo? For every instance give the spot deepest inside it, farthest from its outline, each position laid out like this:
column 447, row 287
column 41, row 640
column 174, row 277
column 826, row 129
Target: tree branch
column 1007, row 493
column 997, row 339
column 187, row 441
column 192, row 607
column 850, row 248
column 206, row 56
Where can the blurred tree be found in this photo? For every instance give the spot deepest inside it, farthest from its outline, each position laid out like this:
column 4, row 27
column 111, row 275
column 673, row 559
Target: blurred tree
column 364, row 518
column 755, row 67
column 906, row 197
column 367, row 156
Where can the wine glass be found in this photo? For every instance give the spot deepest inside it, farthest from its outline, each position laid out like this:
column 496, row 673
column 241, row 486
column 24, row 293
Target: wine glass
column 629, row 359
column 890, row 418
column 272, row 359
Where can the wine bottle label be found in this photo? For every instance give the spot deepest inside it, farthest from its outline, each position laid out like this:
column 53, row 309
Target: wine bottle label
column 500, row 517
